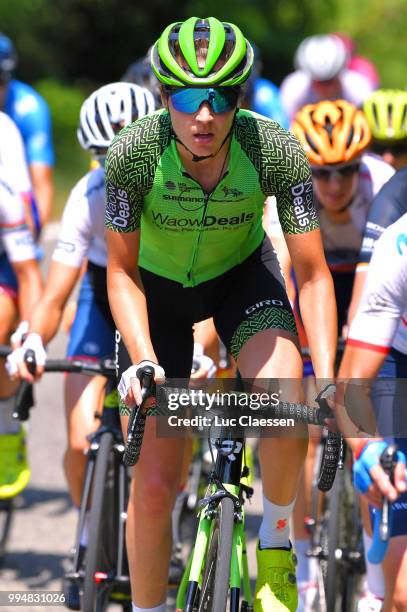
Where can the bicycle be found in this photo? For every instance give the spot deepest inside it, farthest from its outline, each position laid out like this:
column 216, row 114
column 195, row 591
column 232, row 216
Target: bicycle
column 22, row 405
column 101, row 572
column 218, row 564
column 337, row 540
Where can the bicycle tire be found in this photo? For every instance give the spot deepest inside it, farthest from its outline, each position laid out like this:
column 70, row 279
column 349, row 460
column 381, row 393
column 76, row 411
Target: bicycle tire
column 100, row 553
column 6, row 518
column 344, row 575
column 329, row 461
column 216, row 573
column 331, row 578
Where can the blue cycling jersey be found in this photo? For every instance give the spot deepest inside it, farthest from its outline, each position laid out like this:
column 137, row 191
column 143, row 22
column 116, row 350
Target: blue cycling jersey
column 266, row 101
column 31, row 114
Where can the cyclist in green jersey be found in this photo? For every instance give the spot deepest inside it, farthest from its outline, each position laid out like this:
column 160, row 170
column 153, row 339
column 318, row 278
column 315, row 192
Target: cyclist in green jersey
column 185, row 191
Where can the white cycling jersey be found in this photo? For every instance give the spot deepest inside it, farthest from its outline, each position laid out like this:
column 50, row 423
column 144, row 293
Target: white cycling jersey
column 83, row 231
column 342, row 242
column 381, row 319
column 12, row 155
column 16, row 240
column 296, row 90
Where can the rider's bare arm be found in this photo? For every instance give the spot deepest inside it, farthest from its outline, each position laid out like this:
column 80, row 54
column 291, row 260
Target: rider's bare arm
column 357, row 290
column 43, row 187
column 29, row 286
column 126, row 294
column 317, row 299
column 47, row 315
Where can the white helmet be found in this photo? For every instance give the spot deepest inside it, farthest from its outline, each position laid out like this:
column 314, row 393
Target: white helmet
column 322, row 57
column 110, row 108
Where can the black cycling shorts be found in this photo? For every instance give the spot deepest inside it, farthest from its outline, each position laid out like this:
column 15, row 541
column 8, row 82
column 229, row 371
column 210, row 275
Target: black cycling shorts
column 245, row 300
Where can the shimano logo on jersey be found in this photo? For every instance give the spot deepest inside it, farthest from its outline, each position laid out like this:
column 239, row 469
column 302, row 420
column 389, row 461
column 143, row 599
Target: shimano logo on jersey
column 262, row 304
column 208, row 221
column 303, row 202
column 117, row 206
column 180, row 198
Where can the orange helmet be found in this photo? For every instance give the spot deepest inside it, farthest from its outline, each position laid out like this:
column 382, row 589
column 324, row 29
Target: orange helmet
column 331, row 132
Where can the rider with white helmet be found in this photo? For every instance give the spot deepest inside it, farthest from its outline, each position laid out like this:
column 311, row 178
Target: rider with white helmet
column 107, row 110
column 82, row 239
column 321, row 74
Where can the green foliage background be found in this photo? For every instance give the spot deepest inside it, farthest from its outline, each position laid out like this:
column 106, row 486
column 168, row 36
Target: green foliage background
column 68, row 47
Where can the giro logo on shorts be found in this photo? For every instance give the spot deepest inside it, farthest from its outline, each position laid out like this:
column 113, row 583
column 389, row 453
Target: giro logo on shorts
column 303, row 202
column 117, row 206
column 263, row 304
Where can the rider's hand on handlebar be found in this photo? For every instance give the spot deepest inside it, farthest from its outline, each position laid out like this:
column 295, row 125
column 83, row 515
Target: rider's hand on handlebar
column 18, row 336
column 129, row 386
column 203, row 366
column 15, row 365
column 371, row 480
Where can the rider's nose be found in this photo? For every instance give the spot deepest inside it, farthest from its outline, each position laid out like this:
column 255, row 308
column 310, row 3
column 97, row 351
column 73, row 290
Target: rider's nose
column 205, row 112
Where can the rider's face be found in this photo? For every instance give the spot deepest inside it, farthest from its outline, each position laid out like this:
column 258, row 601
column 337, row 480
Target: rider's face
column 335, row 190
column 327, row 90
column 203, row 131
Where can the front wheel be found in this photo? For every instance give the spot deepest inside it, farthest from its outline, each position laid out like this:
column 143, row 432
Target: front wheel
column 100, row 555
column 216, row 573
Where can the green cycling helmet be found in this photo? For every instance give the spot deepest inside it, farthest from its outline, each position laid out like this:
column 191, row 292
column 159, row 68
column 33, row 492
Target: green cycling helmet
column 386, row 112
column 174, row 56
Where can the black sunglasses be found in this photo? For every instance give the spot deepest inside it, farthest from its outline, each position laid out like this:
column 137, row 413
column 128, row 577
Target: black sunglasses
column 324, row 174
column 397, row 148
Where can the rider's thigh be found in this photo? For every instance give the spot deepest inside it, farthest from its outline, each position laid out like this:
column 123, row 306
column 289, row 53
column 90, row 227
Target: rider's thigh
column 8, row 315
column 395, row 572
column 83, row 397
column 271, row 353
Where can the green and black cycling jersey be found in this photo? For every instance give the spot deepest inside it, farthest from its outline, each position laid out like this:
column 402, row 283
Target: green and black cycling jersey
column 190, row 236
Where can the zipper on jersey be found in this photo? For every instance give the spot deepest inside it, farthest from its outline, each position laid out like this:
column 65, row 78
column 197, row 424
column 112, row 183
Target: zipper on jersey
column 207, row 197
column 195, row 252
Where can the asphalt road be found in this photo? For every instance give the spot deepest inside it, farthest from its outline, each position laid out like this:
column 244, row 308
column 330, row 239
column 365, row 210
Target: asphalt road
column 44, row 522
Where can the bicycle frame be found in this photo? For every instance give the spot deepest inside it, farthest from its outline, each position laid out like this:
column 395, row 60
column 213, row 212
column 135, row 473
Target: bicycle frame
column 110, row 422
column 224, row 481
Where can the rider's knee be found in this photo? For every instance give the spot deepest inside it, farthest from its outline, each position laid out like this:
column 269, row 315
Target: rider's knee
column 77, row 445
column 156, row 497
column 400, row 596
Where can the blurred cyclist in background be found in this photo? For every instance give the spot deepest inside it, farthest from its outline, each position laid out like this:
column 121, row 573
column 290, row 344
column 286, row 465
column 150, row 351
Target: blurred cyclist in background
column 336, row 137
column 31, row 114
column 386, row 112
column 82, row 239
column 20, row 289
column 322, row 75
column 261, row 95
column 140, row 73
column 358, row 63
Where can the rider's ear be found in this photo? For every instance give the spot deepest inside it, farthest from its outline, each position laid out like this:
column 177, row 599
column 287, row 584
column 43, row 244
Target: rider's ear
column 164, row 97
